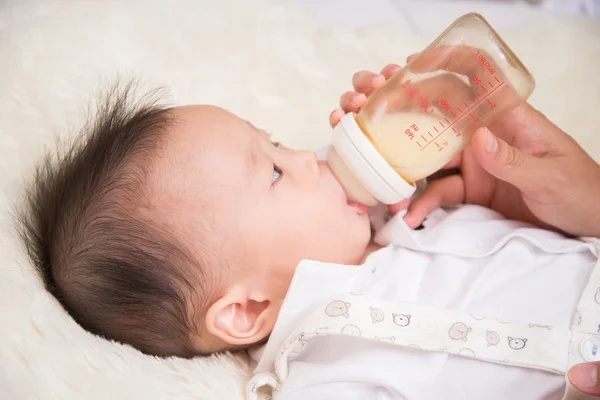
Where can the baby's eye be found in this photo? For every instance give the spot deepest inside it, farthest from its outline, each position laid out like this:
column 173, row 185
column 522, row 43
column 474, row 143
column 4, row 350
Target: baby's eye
column 276, row 174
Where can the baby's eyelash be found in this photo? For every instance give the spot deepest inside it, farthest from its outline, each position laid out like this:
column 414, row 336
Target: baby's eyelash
column 276, row 174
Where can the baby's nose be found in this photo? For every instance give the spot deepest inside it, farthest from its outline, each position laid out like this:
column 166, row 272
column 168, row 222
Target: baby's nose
column 311, row 160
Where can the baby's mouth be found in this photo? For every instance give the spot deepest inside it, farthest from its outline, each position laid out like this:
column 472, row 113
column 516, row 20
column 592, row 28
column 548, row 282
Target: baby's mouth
column 361, row 208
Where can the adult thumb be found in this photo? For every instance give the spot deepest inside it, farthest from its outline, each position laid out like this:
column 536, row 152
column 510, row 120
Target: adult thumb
column 586, row 378
column 507, row 163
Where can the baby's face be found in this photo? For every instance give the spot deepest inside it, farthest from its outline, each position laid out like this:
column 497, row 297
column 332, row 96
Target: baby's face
column 267, row 207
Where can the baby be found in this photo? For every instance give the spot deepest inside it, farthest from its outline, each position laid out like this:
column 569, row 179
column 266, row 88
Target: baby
column 181, row 231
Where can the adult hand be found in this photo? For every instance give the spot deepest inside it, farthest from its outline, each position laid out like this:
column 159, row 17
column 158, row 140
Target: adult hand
column 528, row 169
column 586, row 378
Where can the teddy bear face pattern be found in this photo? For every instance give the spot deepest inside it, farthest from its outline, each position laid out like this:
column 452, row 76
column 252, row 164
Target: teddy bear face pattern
column 401, row 319
column 459, row 331
column 377, row 315
column 371, row 320
column 492, row 338
column 338, row 308
column 516, row 343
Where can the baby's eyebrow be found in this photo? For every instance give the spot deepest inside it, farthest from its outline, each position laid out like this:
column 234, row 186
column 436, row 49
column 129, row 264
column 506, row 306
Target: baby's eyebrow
column 254, row 153
column 252, row 160
column 252, row 157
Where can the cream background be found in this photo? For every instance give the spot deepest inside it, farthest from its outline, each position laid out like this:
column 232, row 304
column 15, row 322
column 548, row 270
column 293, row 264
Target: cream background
column 281, row 64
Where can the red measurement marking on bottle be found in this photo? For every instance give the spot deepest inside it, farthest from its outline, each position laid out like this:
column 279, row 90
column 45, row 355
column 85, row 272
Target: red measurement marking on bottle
column 414, row 92
column 472, row 100
column 444, row 104
column 436, row 143
column 454, row 129
column 497, row 80
column 430, row 134
column 442, row 124
column 484, row 89
column 423, row 139
column 463, row 115
column 419, row 144
column 459, row 110
column 490, row 83
column 447, row 121
column 476, row 80
column 454, row 115
column 410, row 133
column 484, row 62
column 477, row 93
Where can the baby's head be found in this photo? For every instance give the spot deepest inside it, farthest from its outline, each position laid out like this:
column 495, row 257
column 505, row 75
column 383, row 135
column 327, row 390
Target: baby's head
column 177, row 230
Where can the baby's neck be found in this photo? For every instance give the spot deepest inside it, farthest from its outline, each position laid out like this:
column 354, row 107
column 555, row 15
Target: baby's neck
column 371, row 248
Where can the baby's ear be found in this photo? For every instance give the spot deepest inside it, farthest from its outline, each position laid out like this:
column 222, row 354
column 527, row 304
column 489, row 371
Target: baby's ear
column 238, row 319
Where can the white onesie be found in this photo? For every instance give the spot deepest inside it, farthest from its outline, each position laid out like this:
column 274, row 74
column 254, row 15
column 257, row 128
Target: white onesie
column 473, row 306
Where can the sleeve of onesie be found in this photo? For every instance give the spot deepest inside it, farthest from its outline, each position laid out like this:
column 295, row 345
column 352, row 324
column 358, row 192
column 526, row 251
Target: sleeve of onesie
column 339, row 390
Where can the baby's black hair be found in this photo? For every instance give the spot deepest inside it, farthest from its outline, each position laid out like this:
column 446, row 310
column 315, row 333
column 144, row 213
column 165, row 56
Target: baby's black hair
column 116, row 272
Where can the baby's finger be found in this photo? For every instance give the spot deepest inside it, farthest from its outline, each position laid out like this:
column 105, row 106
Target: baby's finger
column 352, row 101
column 446, row 191
column 366, row 81
column 335, row 117
column 390, row 70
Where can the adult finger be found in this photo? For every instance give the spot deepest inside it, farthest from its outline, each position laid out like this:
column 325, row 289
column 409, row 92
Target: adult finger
column 352, row 101
column 528, row 129
column 411, row 57
column 508, row 163
column 446, row 191
column 366, row 81
column 335, row 117
column 390, row 70
column 460, row 59
column 586, row 378
column 403, row 205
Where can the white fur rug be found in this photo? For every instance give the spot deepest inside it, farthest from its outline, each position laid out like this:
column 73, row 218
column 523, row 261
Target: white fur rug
column 267, row 62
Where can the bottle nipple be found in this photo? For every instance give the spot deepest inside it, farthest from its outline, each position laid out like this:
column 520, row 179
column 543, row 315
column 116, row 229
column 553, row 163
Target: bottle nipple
column 354, row 190
column 365, row 175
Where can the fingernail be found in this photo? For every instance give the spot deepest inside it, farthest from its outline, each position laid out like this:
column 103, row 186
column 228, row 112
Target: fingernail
column 491, row 142
column 379, row 79
column 359, row 96
column 584, row 376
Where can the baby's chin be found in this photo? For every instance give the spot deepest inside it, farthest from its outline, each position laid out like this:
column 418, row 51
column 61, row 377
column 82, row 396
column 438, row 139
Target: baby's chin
column 361, row 244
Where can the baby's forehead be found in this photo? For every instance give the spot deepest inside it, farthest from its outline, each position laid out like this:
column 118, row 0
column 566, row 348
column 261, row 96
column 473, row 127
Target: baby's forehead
column 207, row 116
column 207, row 148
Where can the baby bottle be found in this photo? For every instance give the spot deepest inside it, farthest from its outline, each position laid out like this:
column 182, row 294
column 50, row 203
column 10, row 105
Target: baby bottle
column 415, row 123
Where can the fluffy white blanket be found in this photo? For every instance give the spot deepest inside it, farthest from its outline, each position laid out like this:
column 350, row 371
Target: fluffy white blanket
column 268, row 62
